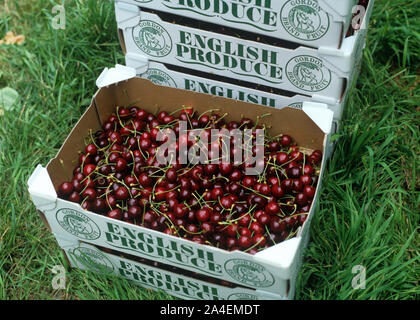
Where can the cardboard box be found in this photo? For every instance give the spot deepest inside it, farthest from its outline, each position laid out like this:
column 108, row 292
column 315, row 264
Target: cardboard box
column 323, row 74
column 159, row 74
column 313, row 23
column 269, row 273
column 88, row 257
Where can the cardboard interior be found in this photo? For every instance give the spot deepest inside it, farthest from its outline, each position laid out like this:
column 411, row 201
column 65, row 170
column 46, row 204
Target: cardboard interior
column 151, row 97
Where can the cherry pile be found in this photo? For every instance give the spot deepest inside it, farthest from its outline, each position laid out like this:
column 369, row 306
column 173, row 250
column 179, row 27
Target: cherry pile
column 118, row 176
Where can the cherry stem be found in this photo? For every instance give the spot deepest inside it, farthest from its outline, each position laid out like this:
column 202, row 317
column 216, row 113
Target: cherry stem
column 195, row 233
column 208, row 111
column 254, row 191
column 268, row 233
column 261, row 117
column 255, row 245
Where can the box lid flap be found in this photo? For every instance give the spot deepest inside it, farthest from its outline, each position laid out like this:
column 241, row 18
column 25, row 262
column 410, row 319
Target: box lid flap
column 320, row 114
column 114, row 75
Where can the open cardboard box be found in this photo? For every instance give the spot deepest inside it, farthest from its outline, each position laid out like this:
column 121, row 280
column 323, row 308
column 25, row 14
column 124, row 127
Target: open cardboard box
column 311, row 23
column 270, row 273
column 157, row 48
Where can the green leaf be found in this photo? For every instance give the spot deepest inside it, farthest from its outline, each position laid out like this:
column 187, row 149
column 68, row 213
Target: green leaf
column 8, row 97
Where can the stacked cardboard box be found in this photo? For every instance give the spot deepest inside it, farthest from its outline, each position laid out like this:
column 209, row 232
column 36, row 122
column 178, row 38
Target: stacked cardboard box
column 273, row 53
column 245, row 59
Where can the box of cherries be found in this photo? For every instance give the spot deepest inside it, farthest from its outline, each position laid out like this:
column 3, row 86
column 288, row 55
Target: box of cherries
column 202, row 197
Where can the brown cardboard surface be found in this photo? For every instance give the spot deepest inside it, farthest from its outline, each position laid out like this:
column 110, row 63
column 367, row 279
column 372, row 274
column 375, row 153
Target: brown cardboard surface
column 121, row 40
column 151, row 97
column 61, row 167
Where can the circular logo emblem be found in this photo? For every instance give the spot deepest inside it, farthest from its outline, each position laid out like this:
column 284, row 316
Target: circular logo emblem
column 93, row 260
column 152, row 38
column 78, row 224
column 249, row 273
column 159, row 77
column 305, row 19
column 242, row 296
column 308, row 73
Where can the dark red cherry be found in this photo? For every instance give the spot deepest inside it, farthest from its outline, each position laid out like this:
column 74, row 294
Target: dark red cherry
column 276, row 225
column 74, row 197
column 121, row 193
column 301, row 199
column 245, row 242
column 141, row 114
column 180, row 210
column 249, row 181
column 297, row 185
column 274, row 146
column 134, row 212
column 287, row 185
column 145, row 180
column 121, row 164
column 98, row 205
column 309, row 191
column 272, row 208
column 231, row 230
column 285, row 140
column 277, row 191
column 282, row 157
column 65, row 189
column 91, row 149
column 88, row 169
column 264, row 219
column 115, row 214
column 89, row 194
column 226, row 202
column 256, row 228
column 225, row 168
column 203, row 214
column 259, row 240
column 305, row 179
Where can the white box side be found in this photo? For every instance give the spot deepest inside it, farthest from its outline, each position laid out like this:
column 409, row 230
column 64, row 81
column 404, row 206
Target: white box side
column 160, row 75
column 88, row 257
column 326, row 20
column 303, row 70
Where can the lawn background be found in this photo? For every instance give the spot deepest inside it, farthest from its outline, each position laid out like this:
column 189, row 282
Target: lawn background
column 369, row 212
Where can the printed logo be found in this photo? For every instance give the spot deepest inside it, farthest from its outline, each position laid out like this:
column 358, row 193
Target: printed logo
column 152, row 38
column 93, row 260
column 159, row 77
column 308, row 73
column 304, row 19
column 78, row 224
column 242, row 296
column 296, row 105
column 249, row 273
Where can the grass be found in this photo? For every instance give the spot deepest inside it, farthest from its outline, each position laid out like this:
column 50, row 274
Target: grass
column 369, row 210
